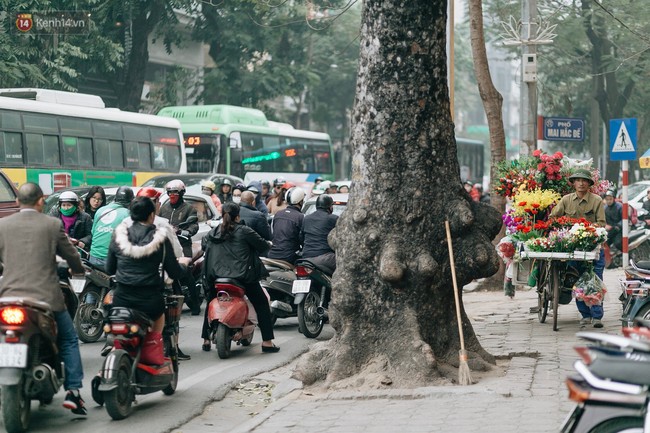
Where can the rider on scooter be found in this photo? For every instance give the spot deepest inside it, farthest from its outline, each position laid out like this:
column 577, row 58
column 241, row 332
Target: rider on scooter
column 315, row 229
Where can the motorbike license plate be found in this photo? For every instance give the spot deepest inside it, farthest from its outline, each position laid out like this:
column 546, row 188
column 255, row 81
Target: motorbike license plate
column 77, row 284
column 300, row 286
column 13, row 355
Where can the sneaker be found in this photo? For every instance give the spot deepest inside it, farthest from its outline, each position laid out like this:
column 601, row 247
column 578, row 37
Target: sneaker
column 586, row 321
column 75, row 403
column 597, row 323
column 182, row 356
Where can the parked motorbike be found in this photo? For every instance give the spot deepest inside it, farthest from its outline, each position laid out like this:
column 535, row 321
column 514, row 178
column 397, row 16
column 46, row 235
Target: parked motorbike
column 95, row 298
column 611, row 387
column 231, row 316
column 278, row 285
column 635, row 293
column 30, row 366
column 638, row 246
column 312, row 290
column 123, row 375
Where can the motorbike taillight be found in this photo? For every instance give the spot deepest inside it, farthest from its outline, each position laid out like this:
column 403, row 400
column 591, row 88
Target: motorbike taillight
column 12, row 315
column 576, row 392
column 303, row 271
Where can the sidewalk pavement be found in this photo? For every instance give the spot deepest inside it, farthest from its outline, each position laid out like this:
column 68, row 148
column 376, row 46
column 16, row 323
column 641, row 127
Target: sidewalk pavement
column 530, row 396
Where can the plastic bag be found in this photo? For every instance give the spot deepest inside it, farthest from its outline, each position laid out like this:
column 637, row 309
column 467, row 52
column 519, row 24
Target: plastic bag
column 590, row 289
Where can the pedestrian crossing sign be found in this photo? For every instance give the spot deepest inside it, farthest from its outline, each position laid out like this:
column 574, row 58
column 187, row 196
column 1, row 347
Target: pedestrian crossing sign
column 622, row 139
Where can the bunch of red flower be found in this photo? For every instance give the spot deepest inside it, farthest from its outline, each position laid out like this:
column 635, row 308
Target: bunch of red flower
column 507, row 249
column 550, row 165
column 510, row 180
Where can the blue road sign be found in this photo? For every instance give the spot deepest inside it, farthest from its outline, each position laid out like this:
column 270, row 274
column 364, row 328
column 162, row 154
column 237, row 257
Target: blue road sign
column 622, row 139
column 563, row 129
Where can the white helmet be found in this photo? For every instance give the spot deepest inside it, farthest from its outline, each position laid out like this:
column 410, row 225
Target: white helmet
column 295, row 195
column 68, row 197
column 175, row 185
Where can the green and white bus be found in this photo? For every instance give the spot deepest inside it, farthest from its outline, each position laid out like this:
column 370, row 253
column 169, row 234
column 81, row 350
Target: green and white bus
column 242, row 142
column 61, row 139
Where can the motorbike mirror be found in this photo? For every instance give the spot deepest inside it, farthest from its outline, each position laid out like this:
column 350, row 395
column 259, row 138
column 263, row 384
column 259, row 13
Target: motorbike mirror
column 189, row 221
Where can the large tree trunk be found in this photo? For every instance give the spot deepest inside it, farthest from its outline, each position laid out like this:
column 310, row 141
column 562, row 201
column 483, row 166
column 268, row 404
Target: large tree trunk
column 392, row 304
column 492, row 104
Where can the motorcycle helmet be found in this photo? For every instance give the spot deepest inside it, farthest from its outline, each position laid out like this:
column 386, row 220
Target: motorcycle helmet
column 266, row 183
column 175, row 185
column 226, row 181
column 278, row 181
column 208, row 184
column 149, row 192
column 124, row 196
column 69, row 197
column 295, row 195
column 324, row 201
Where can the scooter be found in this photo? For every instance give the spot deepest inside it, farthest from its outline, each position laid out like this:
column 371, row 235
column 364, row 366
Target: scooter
column 123, row 375
column 279, row 285
column 30, row 366
column 231, row 316
column 611, row 387
column 192, row 290
column 312, row 290
column 95, row 302
column 638, row 247
column 635, row 293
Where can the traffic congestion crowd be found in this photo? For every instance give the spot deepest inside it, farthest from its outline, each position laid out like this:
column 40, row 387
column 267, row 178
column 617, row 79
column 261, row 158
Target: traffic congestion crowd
column 134, row 237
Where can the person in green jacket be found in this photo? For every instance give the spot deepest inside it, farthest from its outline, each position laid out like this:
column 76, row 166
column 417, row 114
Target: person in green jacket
column 106, row 220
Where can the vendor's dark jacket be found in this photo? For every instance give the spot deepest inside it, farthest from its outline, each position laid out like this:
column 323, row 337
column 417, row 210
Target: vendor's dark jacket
column 313, row 236
column 135, row 254
column 82, row 228
column 234, row 256
column 177, row 214
column 287, row 225
column 255, row 220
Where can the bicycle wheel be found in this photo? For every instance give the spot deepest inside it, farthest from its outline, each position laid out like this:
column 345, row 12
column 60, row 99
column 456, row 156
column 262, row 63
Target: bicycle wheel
column 542, row 295
column 554, row 287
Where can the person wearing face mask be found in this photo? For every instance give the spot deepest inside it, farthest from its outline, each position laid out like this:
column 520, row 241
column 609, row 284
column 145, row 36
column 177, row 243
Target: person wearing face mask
column 237, row 192
column 252, row 217
column 208, row 187
column 177, row 211
column 77, row 224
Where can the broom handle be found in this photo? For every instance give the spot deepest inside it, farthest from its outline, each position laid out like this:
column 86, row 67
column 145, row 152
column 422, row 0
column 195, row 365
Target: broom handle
column 453, row 278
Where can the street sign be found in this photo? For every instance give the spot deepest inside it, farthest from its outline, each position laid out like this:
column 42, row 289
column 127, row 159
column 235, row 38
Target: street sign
column 563, row 129
column 622, row 139
column 644, row 161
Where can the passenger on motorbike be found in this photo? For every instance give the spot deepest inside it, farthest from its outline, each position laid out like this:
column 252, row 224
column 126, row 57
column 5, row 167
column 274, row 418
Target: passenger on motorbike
column 286, row 228
column 252, row 217
column 256, row 188
column 135, row 254
column 77, row 224
column 232, row 251
column 106, row 219
column 208, row 188
column 225, row 193
column 177, row 210
column 315, row 229
column 29, row 244
column 614, row 220
column 95, row 199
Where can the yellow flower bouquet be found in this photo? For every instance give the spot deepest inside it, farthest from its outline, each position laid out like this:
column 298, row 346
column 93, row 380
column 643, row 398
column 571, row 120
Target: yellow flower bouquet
column 532, row 203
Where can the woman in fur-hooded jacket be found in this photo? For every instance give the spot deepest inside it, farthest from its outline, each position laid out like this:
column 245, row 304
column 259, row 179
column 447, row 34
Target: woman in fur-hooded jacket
column 134, row 257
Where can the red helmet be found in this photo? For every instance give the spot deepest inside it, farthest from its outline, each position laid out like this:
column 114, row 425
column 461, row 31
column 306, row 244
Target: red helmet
column 150, row 192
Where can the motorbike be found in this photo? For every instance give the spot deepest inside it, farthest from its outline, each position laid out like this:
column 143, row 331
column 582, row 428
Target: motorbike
column 278, row 285
column 95, row 297
column 30, row 366
column 635, row 293
column 192, row 289
column 231, row 316
column 638, row 245
column 123, row 375
column 611, row 387
column 312, row 290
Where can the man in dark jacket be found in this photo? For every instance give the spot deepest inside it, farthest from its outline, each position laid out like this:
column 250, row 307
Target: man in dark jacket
column 315, row 229
column 287, row 225
column 177, row 211
column 614, row 219
column 252, row 217
column 256, row 188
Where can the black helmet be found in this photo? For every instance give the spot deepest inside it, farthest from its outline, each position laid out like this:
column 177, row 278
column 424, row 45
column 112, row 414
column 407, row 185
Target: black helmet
column 324, row 201
column 226, row 181
column 124, row 196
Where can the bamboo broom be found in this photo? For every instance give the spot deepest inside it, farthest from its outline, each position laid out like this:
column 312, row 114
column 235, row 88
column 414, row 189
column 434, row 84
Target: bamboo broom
column 464, row 376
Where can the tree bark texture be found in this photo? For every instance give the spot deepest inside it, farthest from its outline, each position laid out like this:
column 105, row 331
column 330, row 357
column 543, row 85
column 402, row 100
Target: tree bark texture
column 392, row 303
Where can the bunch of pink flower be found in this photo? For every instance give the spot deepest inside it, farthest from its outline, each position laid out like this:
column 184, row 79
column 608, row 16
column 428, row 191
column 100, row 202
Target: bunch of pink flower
column 550, row 164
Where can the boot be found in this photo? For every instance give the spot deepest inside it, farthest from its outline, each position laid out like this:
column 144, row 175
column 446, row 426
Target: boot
column 152, row 349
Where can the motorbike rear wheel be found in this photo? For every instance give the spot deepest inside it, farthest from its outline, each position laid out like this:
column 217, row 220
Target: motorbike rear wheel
column 642, row 252
column 88, row 330
column 308, row 320
column 620, row 425
column 16, row 407
column 224, row 339
column 173, row 355
column 119, row 399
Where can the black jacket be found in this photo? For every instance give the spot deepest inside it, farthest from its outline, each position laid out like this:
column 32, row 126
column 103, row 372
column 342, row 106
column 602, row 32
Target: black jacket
column 177, row 214
column 287, row 225
column 234, row 256
column 82, row 228
column 135, row 255
column 313, row 236
column 614, row 214
column 259, row 203
column 255, row 220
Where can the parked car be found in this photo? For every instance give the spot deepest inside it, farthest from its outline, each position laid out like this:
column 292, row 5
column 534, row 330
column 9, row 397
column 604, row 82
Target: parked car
column 636, row 193
column 190, row 179
column 340, row 203
column 8, row 195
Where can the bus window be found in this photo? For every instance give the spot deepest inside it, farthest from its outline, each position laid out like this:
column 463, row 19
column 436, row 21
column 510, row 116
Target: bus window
column 75, row 127
column 38, row 123
column 166, row 157
column 131, row 154
column 42, row 149
column 117, row 154
column 136, row 133
column 9, row 120
column 70, row 151
column 85, row 147
column 108, row 153
column 107, row 129
column 164, row 136
column 11, row 147
column 144, row 155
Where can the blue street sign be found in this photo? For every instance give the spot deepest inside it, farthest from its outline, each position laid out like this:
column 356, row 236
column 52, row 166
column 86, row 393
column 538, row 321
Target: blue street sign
column 622, row 139
column 563, row 129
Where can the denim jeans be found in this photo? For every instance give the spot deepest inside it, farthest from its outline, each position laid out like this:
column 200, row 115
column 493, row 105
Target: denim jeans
column 595, row 311
column 69, row 350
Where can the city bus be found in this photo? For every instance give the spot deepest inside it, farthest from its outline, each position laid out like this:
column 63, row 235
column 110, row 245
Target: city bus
column 61, row 140
column 471, row 159
column 241, row 141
